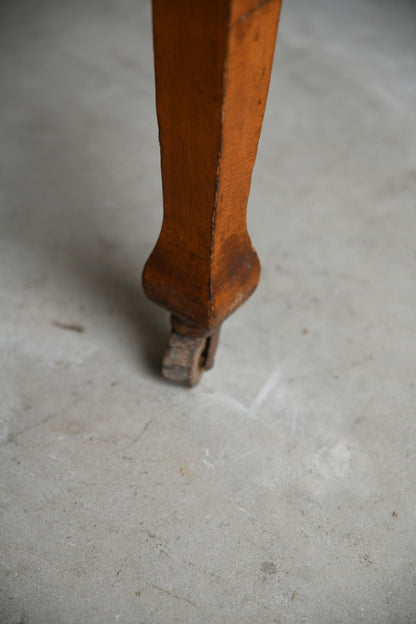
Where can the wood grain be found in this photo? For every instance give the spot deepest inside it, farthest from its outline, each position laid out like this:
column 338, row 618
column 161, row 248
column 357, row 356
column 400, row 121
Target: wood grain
column 213, row 63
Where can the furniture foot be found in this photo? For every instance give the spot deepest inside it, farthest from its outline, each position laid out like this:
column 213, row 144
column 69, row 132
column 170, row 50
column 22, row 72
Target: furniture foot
column 190, row 351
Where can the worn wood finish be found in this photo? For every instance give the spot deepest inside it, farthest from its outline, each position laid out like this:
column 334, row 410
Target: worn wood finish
column 212, row 62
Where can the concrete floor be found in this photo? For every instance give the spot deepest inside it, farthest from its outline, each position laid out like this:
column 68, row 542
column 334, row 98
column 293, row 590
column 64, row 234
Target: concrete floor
column 282, row 489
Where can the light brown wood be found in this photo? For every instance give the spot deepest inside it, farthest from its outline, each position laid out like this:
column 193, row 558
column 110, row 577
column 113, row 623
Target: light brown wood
column 213, row 61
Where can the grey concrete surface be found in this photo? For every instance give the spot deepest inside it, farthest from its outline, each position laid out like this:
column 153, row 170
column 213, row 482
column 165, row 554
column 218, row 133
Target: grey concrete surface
column 282, row 489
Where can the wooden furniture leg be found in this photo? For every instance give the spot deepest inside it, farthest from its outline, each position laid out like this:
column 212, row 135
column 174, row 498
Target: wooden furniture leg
column 213, row 61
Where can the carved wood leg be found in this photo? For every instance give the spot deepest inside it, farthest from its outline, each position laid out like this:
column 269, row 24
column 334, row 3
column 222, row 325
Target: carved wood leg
column 213, row 62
